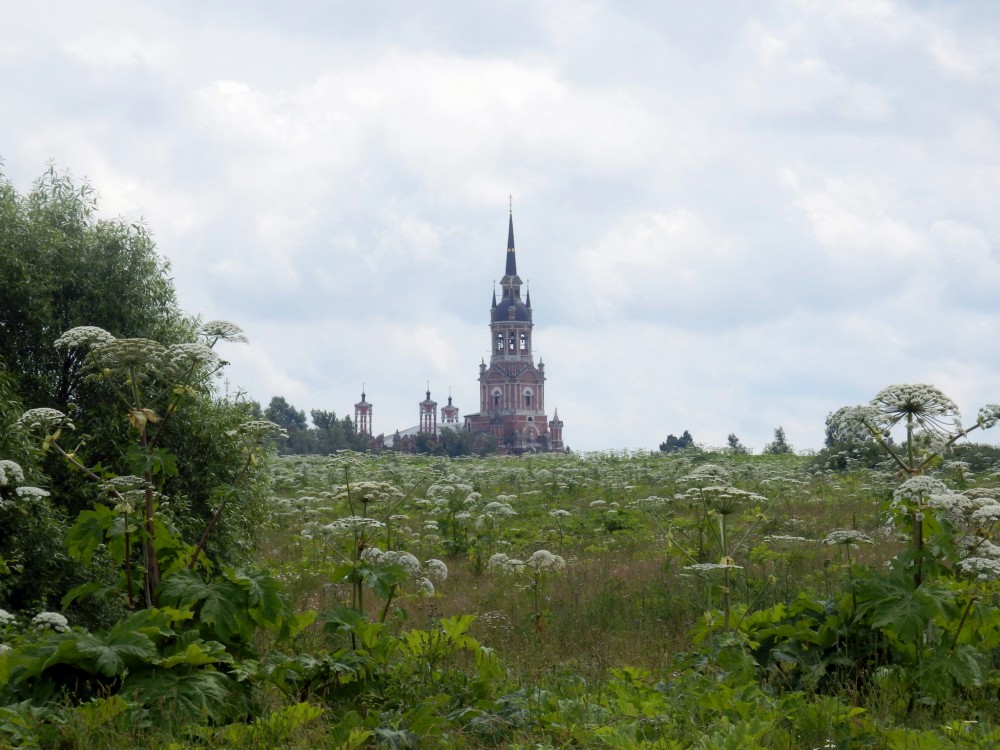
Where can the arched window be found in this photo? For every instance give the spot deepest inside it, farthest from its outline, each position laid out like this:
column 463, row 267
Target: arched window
column 499, row 343
column 496, row 399
column 524, row 342
column 527, row 398
column 513, row 342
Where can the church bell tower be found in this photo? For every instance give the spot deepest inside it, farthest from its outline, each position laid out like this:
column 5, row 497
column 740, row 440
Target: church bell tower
column 511, row 387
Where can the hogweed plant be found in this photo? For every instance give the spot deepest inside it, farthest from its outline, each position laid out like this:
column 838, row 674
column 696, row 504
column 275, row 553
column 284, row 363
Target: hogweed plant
column 533, row 572
column 353, row 539
column 716, row 506
column 150, row 381
column 931, row 420
column 932, row 424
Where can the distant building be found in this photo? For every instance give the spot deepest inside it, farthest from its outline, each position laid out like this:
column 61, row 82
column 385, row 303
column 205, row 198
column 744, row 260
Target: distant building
column 511, row 386
column 363, row 416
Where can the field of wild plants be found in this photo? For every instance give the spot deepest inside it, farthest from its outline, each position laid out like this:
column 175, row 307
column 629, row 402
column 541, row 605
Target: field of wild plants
column 643, row 600
column 694, row 599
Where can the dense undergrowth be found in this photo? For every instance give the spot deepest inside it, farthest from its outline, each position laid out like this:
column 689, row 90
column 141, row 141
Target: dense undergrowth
column 440, row 624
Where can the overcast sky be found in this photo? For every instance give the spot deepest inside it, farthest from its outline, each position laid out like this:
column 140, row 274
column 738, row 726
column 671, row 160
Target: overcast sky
column 732, row 215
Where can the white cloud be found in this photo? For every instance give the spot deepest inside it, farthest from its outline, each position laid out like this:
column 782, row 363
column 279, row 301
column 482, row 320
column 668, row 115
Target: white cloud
column 732, row 218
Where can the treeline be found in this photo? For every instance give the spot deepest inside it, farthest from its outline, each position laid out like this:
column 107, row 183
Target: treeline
column 327, row 434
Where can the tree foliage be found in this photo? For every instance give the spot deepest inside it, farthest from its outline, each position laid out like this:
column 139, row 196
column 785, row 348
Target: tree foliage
column 674, row 443
column 63, row 267
column 328, row 434
column 779, row 445
column 735, row 445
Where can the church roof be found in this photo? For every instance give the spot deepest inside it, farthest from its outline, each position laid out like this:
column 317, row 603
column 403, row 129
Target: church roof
column 511, row 269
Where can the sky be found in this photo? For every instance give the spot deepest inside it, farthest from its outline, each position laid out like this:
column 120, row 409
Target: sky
column 731, row 215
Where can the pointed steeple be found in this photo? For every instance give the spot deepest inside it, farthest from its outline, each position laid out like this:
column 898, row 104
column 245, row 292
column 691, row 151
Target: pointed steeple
column 511, row 269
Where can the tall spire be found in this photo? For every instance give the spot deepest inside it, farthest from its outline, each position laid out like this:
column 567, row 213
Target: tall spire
column 511, row 269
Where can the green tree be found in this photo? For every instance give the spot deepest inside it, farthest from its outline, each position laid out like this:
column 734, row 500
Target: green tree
column 674, row 443
column 60, row 267
column 780, row 444
column 737, row 448
column 63, row 267
column 293, row 422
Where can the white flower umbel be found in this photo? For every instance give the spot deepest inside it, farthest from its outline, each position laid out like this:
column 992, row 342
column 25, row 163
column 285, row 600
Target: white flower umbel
column 436, row 569
column 711, row 567
column 988, row 416
column 6, row 618
column 353, row 525
column 848, row 537
column 409, row 563
column 854, row 423
column 43, row 419
column 82, row 336
column 130, row 357
column 706, row 474
column 223, row 330
column 915, row 493
column 544, row 561
column 425, row 587
column 505, row 563
column 32, row 492
column 182, row 359
column 10, row 472
column 50, row 621
column 923, row 404
column 982, row 568
column 261, row 429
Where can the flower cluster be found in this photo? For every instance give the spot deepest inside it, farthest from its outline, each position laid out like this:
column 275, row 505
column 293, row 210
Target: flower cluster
column 369, row 492
column 921, row 403
column 128, row 357
column 541, row 561
column 988, row 416
column 261, row 429
column 421, row 575
column 10, row 470
column 82, row 336
column 32, row 492
column 43, row 419
column 353, row 525
column 436, row 569
column 849, row 537
column 544, row 561
column 181, row 359
column 712, row 567
column 706, row 474
column 223, row 330
column 919, row 492
column 51, row 620
column 982, row 568
column 851, row 424
column 505, row 563
column 6, row 618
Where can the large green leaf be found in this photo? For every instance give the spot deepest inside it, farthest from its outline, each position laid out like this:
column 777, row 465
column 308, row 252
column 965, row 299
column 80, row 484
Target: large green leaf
column 88, row 533
column 221, row 606
column 185, row 697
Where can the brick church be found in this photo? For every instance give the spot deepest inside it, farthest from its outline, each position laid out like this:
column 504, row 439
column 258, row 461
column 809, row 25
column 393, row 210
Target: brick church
column 511, row 386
